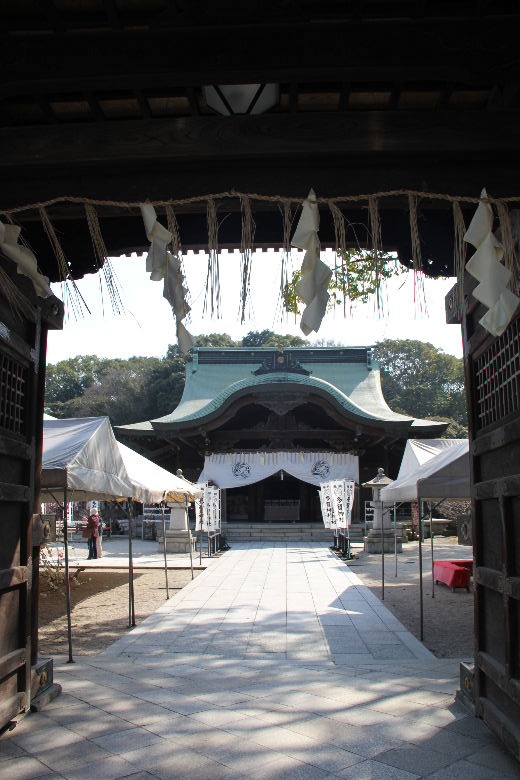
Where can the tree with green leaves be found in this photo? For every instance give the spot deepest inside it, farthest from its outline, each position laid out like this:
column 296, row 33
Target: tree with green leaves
column 417, row 380
column 358, row 276
column 268, row 338
column 421, row 380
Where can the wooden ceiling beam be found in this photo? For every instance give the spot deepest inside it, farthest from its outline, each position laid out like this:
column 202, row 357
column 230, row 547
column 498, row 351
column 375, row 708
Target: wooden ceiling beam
column 269, row 136
column 385, row 50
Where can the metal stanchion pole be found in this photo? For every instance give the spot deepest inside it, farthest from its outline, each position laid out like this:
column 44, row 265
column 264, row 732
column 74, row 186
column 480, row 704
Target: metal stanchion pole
column 67, row 580
column 164, row 551
column 421, row 572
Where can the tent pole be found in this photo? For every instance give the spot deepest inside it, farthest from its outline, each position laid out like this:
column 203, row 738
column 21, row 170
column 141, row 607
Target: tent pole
column 421, row 571
column 131, row 606
column 431, row 544
column 67, row 580
column 189, row 537
column 395, row 540
column 382, row 553
column 164, row 551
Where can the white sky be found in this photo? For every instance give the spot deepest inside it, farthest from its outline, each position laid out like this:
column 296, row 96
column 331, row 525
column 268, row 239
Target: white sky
column 147, row 327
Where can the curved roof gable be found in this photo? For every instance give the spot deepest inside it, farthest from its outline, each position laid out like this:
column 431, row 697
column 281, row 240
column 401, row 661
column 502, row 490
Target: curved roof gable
column 348, row 377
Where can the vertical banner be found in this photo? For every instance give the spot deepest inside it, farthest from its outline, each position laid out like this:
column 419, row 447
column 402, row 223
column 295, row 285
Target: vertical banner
column 350, row 488
column 328, row 504
column 213, row 509
column 324, row 514
column 207, row 510
column 337, row 489
column 337, row 501
column 198, row 513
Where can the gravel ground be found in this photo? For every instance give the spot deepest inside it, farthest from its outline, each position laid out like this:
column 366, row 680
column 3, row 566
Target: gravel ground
column 99, row 601
column 448, row 618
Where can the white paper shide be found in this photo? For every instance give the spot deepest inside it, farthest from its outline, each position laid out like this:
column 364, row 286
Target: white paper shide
column 315, row 274
column 485, row 266
column 162, row 264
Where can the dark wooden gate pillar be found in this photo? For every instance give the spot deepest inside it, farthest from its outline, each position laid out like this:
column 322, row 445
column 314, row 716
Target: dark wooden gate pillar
column 23, row 330
column 492, row 375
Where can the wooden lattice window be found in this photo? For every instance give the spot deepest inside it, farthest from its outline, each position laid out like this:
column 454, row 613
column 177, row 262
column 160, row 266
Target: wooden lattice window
column 13, row 390
column 497, row 378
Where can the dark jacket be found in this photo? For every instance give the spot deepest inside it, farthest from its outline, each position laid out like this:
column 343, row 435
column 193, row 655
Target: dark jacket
column 93, row 525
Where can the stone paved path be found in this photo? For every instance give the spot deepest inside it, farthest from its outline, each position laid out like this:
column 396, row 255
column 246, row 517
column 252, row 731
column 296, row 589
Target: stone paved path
column 275, row 663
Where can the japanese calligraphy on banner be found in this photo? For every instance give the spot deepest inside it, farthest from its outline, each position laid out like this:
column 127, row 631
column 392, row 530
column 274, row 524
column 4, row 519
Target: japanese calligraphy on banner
column 199, row 519
column 337, row 500
column 207, row 510
column 329, row 521
column 213, row 500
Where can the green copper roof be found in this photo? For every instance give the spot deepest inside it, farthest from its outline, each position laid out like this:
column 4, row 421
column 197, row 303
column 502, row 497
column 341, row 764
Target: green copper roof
column 347, row 377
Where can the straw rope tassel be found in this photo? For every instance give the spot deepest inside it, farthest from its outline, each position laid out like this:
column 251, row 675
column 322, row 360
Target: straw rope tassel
column 285, row 209
column 340, row 235
column 212, row 296
column 416, row 251
column 246, row 251
column 173, row 227
column 17, row 302
column 103, row 260
column 72, row 292
column 510, row 257
column 459, row 254
column 375, row 230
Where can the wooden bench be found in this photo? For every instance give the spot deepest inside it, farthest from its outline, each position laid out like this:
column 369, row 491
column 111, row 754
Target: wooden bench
column 454, row 574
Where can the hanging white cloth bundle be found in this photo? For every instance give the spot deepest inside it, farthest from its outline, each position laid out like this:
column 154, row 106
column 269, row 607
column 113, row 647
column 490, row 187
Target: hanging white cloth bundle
column 485, row 266
column 315, row 274
column 23, row 257
column 162, row 264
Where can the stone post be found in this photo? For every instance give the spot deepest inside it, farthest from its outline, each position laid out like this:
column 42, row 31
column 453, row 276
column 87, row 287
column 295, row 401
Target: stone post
column 178, row 535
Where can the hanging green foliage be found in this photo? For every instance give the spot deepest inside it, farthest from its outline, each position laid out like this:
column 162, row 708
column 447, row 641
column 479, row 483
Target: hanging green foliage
column 356, row 276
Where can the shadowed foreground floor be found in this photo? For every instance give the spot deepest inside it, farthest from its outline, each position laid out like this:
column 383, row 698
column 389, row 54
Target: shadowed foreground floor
column 274, row 663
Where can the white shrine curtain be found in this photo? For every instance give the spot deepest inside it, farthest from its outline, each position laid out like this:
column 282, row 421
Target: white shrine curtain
column 231, row 470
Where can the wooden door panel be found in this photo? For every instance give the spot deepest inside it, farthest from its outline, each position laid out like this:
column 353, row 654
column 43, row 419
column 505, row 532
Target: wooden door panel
column 492, row 374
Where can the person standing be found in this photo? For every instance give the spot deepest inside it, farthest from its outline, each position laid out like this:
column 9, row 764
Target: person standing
column 93, row 528
column 99, row 548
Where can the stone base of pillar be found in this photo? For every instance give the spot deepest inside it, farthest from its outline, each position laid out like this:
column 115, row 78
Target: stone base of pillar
column 374, row 541
column 177, row 541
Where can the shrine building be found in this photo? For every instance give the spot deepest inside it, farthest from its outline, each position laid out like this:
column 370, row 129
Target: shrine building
column 268, row 425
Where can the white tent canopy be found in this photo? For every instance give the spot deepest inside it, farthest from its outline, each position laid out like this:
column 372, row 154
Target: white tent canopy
column 153, row 484
column 82, row 456
column 444, row 474
column 419, row 451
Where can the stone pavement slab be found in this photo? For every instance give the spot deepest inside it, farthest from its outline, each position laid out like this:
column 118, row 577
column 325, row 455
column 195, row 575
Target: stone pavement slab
column 276, row 662
column 145, row 555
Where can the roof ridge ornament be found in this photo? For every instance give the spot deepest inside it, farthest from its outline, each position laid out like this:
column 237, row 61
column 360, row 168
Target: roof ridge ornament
column 281, row 361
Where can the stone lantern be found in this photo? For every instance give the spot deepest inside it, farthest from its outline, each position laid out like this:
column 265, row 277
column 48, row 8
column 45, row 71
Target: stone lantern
column 178, row 534
column 382, row 532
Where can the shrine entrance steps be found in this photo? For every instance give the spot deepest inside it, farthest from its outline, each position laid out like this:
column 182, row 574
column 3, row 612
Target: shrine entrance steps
column 283, row 532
